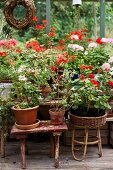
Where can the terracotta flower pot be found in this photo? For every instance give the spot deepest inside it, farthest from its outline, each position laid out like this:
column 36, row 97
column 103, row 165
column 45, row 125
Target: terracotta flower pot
column 26, row 116
column 57, row 117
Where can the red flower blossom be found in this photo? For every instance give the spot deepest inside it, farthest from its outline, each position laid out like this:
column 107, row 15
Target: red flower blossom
column 92, row 76
column 61, row 59
column 53, row 68
column 18, row 50
column 32, row 44
column 51, row 34
column 53, row 29
column 39, row 27
column 110, row 83
column 60, row 47
column 61, row 41
column 82, row 76
column 35, row 19
column 98, row 41
column 3, row 54
column 83, row 67
column 73, row 57
column 89, row 40
column 95, row 83
column 45, row 22
column 89, row 67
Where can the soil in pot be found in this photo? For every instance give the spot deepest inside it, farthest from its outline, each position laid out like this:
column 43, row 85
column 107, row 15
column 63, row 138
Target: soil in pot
column 92, row 112
column 93, row 118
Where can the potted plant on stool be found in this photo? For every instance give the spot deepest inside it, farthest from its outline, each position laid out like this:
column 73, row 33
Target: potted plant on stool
column 25, row 93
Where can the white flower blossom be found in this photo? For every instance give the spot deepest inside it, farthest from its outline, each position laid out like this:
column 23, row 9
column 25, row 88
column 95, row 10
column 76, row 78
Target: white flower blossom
column 21, row 68
column 74, row 37
column 86, row 52
column 76, row 47
column 92, row 45
column 22, row 78
column 110, row 60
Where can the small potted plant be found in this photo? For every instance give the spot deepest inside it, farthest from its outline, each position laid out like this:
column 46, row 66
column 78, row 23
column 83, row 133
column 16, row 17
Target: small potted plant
column 25, row 91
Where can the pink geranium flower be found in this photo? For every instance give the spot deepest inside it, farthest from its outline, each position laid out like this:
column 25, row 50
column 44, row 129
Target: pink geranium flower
column 106, row 67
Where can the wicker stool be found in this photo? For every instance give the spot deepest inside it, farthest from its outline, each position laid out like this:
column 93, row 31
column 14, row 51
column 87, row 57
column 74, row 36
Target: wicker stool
column 85, row 142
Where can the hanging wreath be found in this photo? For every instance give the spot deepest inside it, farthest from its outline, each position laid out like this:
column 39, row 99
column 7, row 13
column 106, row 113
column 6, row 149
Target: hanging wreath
column 10, row 5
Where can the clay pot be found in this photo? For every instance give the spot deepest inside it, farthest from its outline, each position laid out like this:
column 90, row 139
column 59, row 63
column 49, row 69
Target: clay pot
column 26, row 116
column 57, row 117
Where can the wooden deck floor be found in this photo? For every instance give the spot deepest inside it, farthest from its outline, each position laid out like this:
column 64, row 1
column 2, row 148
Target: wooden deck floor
column 39, row 159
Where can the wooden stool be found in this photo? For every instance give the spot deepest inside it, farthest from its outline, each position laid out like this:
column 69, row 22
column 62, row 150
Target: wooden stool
column 44, row 127
column 85, row 142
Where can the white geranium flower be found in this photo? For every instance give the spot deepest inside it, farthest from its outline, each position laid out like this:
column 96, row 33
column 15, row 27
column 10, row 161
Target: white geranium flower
column 92, row 45
column 76, row 47
column 22, row 78
column 21, row 68
column 86, row 52
column 110, row 60
column 74, row 37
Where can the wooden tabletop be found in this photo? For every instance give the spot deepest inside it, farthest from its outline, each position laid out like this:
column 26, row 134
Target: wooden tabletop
column 44, row 126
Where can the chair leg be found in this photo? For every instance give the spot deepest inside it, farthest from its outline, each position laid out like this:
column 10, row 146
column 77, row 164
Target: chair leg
column 99, row 142
column 84, row 143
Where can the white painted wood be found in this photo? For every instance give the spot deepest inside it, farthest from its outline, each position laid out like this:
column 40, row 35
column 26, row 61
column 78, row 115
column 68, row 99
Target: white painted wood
column 77, row 2
column 5, row 90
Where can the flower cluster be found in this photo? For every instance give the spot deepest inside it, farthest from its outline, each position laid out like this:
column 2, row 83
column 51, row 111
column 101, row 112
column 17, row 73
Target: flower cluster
column 8, row 55
column 77, row 68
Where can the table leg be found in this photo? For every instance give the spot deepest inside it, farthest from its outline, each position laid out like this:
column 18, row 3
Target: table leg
column 22, row 147
column 56, row 149
column 52, row 147
column 2, row 144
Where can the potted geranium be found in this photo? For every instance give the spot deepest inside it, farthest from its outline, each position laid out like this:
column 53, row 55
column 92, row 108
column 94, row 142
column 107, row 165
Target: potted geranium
column 28, row 75
column 90, row 89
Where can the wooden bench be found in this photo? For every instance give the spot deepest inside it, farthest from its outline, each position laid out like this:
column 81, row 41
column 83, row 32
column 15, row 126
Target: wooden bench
column 44, row 127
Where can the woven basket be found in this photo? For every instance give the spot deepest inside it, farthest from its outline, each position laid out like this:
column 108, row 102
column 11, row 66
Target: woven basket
column 88, row 121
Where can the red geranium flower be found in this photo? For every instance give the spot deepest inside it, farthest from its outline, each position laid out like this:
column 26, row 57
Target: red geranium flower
column 53, row 68
column 53, row 29
column 92, row 76
column 35, row 19
column 3, row 54
column 110, row 83
column 61, row 41
column 60, row 47
column 95, row 83
column 98, row 40
column 82, row 76
column 45, row 22
column 39, row 27
column 51, row 34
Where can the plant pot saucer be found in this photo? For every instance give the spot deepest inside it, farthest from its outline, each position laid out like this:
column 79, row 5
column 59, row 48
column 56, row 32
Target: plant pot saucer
column 27, row 127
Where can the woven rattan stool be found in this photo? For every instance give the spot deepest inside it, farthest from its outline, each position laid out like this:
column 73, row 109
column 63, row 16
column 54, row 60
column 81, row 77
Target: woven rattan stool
column 85, row 142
